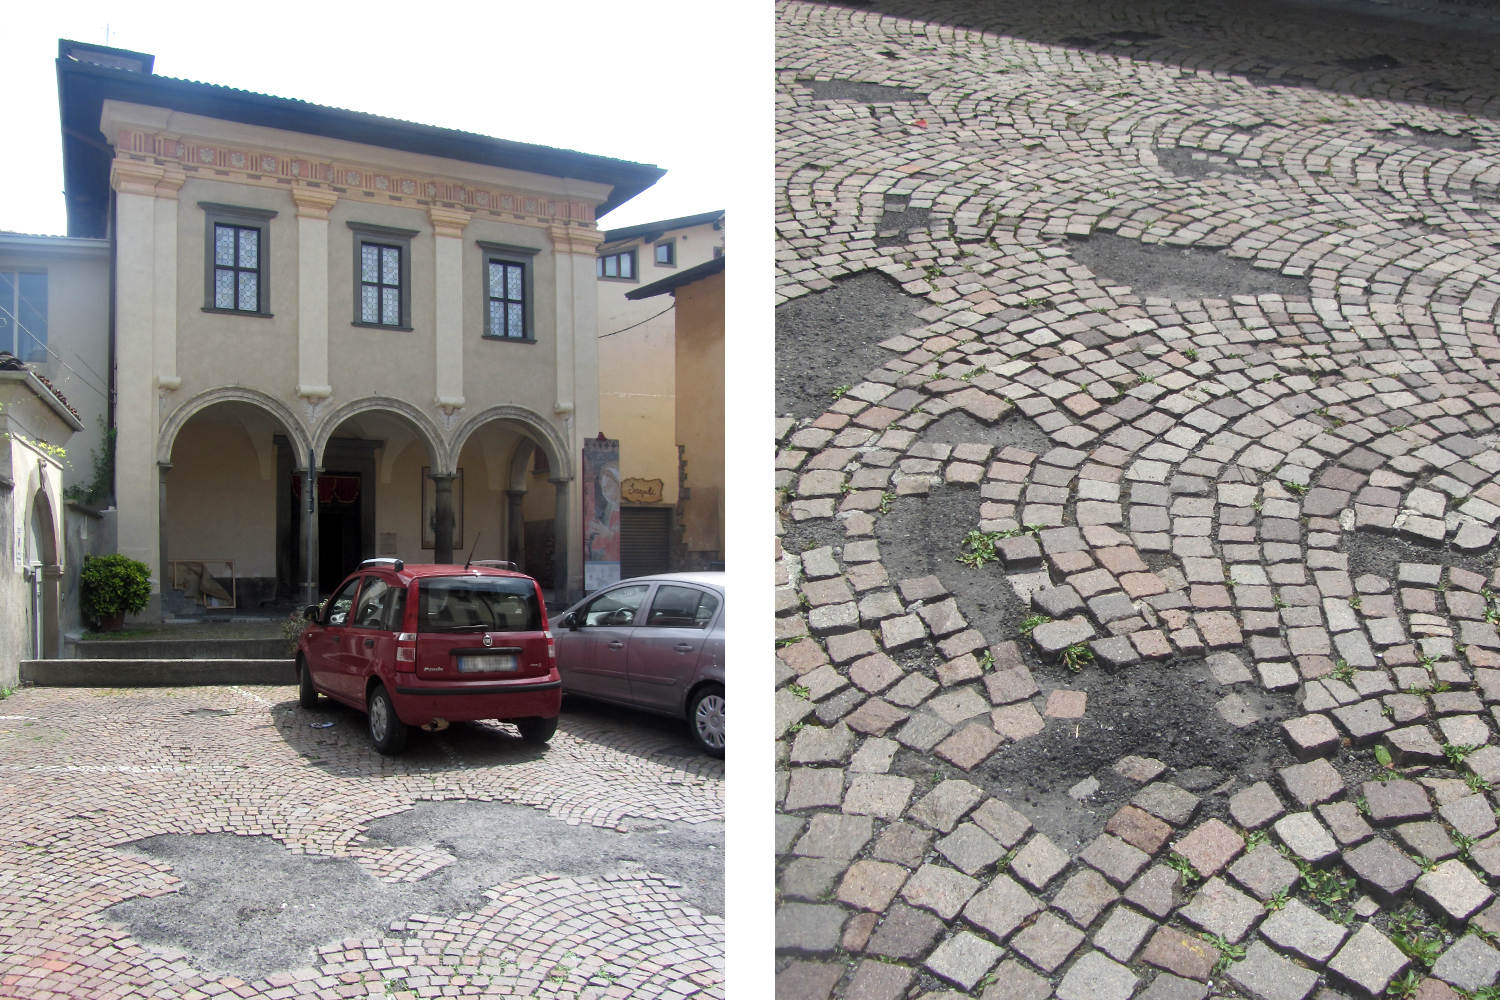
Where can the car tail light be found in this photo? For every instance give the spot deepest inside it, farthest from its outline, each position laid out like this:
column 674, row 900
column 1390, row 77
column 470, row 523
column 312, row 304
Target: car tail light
column 551, row 645
column 406, row 647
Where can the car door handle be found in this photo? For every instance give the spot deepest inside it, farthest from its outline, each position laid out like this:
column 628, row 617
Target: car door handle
column 617, row 644
column 369, row 643
column 684, row 647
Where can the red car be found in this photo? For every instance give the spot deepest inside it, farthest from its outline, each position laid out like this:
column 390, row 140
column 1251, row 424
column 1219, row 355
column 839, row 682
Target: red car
column 425, row 646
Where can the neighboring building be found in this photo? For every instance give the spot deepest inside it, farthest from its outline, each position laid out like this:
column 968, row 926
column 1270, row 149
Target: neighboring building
column 403, row 316
column 638, row 381
column 698, row 336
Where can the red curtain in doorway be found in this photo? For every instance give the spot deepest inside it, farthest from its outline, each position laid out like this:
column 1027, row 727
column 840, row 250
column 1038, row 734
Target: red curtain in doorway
column 331, row 489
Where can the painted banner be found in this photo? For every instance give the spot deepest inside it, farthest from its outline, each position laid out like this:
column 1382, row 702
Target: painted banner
column 601, row 513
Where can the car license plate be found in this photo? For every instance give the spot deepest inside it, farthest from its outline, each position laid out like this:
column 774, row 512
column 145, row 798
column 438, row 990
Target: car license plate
column 487, row 663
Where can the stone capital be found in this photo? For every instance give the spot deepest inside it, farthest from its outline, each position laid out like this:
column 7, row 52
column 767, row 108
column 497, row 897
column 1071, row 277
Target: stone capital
column 575, row 238
column 171, row 182
column 448, row 221
column 313, row 203
column 135, row 176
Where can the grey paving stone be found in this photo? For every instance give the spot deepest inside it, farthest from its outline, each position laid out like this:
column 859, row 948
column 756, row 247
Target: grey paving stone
column 970, row 849
column 1122, row 933
column 817, row 745
column 1311, row 783
column 1189, row 957
column 808, row 980
column 1166, row 801
column 1158, row 891
column 1256, row 806
column 1382, row 869
column 1453, row 890
column 1002, row 822
column 1220, row 909
column 1114, row 858
column 809, row 926
column 1306, row 838
column 943, row 807
column 877, row 981
column 1169, row 987
column 1264, row 872
column 1345, row 823
column 1368, row 961
column 1471, row 815
column 905, row 933
column 1395, row 801
column 833, row 836
column 1412, row 745
column 1084, row 896
column 1038, row 862
column 902, row 843
column 1364, row 721
column 964, row 959
column 871, row 885
column 1468, row 964
column 1426, row 840
column 1001, row 907
column 1266, row 975
column 1310, row 736
column 811, row 878
column 1095, row 976
column 1048, row 942
column 944, row 891
column 1299, row 929
column 1014, row 981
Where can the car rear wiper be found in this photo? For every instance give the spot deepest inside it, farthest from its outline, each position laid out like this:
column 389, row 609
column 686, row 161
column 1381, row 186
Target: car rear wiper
column 457, row 628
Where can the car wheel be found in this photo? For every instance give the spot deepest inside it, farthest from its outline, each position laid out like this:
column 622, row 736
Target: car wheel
column 536, row 729
column 307, row 695
column 387, row 731
column 706, row 717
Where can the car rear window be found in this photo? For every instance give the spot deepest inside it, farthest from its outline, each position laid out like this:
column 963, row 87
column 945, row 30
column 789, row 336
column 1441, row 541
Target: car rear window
column 489, row 604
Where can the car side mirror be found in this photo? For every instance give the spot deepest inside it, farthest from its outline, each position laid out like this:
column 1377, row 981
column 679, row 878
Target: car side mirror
column 569, row 621
column 311, row 612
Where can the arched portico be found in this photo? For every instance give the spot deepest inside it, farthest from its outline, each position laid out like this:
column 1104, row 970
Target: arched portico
column 43, row 563
column 225, row 459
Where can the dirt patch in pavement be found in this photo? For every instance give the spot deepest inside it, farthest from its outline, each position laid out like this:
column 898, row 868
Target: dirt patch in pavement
column 1183, row 163
column 1179, row 273
column 249, row 907
column 1383, row 555
column 958, row 427
column 832, row 338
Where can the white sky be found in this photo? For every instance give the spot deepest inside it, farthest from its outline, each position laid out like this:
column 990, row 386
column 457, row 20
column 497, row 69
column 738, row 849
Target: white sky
column 637, row 81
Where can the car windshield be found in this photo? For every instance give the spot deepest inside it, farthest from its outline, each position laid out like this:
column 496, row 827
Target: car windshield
column 489, row 604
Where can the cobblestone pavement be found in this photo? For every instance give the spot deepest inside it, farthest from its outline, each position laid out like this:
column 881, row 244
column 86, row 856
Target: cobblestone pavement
column 84, row 773
column 1203, row 347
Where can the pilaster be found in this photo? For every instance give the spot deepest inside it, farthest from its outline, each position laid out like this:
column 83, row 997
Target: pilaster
column 448, row 319
column 313, row 205
column 164, row 339
column 136, row 489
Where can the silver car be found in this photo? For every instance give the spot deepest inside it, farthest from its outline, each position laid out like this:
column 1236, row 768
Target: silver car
column 652, row 642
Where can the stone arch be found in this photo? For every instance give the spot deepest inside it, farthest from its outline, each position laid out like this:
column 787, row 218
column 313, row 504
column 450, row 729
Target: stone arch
column 520, row 464
column 178, row 418
column 426, row 431
column 540, row 431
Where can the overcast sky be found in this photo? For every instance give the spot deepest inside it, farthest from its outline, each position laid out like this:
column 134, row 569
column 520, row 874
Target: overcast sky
column 638, row 81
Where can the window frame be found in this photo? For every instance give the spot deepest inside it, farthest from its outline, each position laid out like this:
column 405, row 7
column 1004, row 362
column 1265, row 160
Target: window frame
column 240, row 216
column 506, row 253
column 670, row 245
column 635, row 266
column 388, row 236
column 13, row 310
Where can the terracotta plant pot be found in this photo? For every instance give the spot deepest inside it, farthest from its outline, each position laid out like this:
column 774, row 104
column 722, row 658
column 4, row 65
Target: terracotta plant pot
column 112, row 623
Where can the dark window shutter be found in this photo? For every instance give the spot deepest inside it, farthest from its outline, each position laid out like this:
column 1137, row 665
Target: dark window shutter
column 645, row 541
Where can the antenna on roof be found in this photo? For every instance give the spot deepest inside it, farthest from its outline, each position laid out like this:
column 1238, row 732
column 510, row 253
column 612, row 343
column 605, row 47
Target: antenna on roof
column 477, row 536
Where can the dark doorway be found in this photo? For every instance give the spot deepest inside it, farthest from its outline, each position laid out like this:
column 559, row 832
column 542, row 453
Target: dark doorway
column 340, row 502
column 540, row 546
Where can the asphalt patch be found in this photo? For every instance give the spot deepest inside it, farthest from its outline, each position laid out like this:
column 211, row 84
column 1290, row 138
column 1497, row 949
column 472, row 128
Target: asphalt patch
column 958, row 427
column 864, row 93
column 832, row 338
column 1179, row 273
column 1462, row 142
column 1182, row 163
column 1382, row 555
column 248, row 907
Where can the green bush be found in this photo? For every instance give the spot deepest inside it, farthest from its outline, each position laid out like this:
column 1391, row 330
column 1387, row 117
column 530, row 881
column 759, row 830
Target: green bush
column 109, row 585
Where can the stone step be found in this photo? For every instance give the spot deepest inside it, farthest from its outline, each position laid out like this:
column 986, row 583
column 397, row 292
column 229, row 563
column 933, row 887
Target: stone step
column 142, row 672
column 181, row 649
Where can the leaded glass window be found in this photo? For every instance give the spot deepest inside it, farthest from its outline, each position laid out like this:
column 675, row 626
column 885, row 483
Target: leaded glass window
column 237, row 268
column 507, row 298
column 380, row 284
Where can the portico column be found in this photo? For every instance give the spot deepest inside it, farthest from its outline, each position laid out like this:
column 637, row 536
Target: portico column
column 575, row 249
column 562, row 534
column 448, row 317
column 516, row 527
column 308, row 536
column 442, row 508
column 162, row 468
column 164, row 350
column 313, row 205
column 136, row 494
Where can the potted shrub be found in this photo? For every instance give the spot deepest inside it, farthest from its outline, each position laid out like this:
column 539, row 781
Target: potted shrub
column 112, row 586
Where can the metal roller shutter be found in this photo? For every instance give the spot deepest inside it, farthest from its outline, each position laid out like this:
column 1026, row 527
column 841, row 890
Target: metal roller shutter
column 645, row 541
